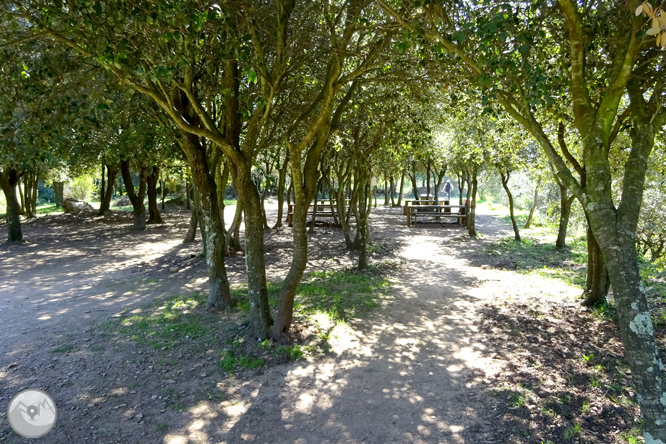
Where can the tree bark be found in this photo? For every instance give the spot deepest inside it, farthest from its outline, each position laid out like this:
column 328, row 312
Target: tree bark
column 402, row 183
column 565, row 213
column 505, row 183
column 412, row 176
column 364, row 208
column 282, row 181
column 461, row 187
column 233, row 234
column 260, row 318
column 152, row 178
column 8, row 182
column 219, row 293
column 163, row 192
column 105, row 203
column 59, row 191
column 472, row 187
column 136, row 196
column 187, row 193
column 535, row 202
column 597, row 282
column 102, row 188
column 29, row 197
column 192, row 229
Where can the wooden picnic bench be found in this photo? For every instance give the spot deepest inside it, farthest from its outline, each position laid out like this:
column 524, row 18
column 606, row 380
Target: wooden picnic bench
column 438, row 211
column 418, row 202
column 323, row 210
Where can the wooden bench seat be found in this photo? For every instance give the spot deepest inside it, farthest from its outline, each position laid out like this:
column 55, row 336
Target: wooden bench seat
column 436, row 211
column 321, row 212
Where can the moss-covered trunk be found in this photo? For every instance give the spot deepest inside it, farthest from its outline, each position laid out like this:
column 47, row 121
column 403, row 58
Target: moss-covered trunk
column 208, row 217
column 260, row 318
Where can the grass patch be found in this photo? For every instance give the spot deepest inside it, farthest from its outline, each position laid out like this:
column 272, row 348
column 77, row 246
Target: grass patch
column 231, row 362
column 533, row 256
column 166, row 323
column 65, row 348
column 340, row 295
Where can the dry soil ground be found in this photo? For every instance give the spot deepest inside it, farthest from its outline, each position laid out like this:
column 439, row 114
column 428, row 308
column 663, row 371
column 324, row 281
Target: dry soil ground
column 461, row 351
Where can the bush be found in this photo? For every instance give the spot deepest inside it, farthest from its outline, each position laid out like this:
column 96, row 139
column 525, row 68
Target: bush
column 80, row 188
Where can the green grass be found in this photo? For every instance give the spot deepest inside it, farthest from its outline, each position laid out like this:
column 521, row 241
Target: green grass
column 230, row 362
column 166, row 323
column 542, row 258
column 290, row 352
column 65, row 348
column 340, row 295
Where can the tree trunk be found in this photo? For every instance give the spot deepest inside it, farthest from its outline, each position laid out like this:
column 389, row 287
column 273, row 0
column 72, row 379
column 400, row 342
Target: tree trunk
column 461, row 188
column 187, row 194
column 219, row 294
column 163, row 191
column 471, row 201
column 364, row 208
column 233, row 234
column 8, row 183
column 29, row 197
column 59, row 191
column 33, row 197
column 102, row 188
column 260, row 318
column 152, row 178
column 192, row 229
column 136, row 197
column 505, row 183
column 402, row 183
column 282, row 181
column 597, row 283
column 565, row 212
column 105, row 203
column 534, row 205
column 428, row 179
column 415, row 187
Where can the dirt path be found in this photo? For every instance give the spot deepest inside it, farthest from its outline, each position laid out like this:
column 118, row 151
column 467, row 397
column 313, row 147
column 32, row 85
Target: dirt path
column 415, row 371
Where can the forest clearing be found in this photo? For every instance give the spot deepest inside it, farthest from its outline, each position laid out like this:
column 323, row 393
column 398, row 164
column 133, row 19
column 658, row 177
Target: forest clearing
column 333, row 221
column 444, row 341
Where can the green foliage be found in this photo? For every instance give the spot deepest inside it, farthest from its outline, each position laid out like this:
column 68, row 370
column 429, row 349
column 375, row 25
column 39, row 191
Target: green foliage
column 81, row 188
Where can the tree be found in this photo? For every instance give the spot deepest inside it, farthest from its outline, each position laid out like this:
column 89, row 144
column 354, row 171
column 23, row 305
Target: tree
column 517, row 53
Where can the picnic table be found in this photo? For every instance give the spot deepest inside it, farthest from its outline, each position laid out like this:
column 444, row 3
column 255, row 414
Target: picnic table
column 444, row 209
column 418, row 202
column 323, row 210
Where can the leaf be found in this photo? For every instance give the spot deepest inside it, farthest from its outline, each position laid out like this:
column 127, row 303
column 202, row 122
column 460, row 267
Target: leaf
column 639, row 10
column 653, row 31
column 252, row 76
